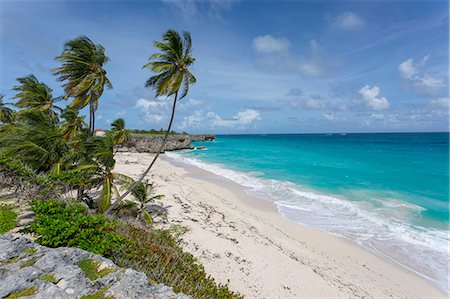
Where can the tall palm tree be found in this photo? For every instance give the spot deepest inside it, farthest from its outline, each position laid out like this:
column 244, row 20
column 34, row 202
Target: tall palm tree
column 33, row 94
column 172, row 68
column 6, row 114
column 83, row 73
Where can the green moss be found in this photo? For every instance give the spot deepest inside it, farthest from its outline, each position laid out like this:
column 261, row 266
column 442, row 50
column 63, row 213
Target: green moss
column 90, row 269
column 8, row 218
column 23, row 293
column 30, row 250
column 28, row 263
column 12, row 261
column 48, row 277
column 98, row 295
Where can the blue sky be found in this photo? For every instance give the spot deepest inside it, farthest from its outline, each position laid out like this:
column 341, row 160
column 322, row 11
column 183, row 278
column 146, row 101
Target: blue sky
column 262, row 66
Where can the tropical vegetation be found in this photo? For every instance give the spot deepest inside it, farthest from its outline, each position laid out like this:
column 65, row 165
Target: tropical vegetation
column 50, row 154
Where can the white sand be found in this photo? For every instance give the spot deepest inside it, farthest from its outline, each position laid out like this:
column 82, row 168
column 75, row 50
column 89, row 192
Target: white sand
column 245, row 242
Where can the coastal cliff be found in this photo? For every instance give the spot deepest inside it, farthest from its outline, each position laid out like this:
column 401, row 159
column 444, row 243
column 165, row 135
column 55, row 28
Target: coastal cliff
column 152, row 143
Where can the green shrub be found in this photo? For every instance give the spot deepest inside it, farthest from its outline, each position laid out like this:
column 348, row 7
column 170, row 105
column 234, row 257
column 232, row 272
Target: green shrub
column 8, row 218
column 59, row 224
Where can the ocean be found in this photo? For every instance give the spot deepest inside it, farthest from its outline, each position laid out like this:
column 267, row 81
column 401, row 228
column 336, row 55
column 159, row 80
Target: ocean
column 387, row 192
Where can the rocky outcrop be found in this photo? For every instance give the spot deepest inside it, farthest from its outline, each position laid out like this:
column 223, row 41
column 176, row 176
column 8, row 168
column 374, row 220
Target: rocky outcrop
column 151, row 144
column 30, row 269
column 203, row 137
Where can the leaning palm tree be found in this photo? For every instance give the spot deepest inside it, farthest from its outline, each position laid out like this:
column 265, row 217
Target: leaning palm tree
column 83, row 73
column 32, row 94
column 119, row 133
column 172, row 68
column 6, row 114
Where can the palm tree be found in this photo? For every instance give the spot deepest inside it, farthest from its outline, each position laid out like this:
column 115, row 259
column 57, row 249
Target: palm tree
column 120, row 134
column 83, row 73
column 143, row 195
column 34, row 139
column 73, row 123
column 172, row 68
column 6, row 114
column 33, row 94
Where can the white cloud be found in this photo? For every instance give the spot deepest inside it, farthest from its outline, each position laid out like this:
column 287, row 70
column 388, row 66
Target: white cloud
column 430, row 81
column 411, row 70
column 192, row 10
column 348, row 21
column 270, row 44
column 241, row 120
column 309, row 104
column 407, row 68
column 441, row 102
column 371, row 98
column 274, row 53
column 310, row 69
column 329, row 116
column 190, row 103
column 193, row 121
column 154, row 111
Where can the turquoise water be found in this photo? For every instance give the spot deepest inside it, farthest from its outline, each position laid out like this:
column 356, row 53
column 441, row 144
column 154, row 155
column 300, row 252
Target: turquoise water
column 387, row 192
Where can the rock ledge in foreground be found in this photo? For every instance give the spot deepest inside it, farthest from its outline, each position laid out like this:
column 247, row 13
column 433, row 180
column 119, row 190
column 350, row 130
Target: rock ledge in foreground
column 54, row 273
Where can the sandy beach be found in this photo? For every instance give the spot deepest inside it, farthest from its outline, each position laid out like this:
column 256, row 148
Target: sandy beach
column 245, row 242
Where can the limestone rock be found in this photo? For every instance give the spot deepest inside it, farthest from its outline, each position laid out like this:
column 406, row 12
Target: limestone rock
column 24, row 264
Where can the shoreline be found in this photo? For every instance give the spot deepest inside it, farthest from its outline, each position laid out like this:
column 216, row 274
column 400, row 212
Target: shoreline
column 246, row 241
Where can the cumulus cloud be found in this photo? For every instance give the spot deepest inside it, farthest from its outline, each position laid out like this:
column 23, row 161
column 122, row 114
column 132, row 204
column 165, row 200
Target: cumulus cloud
column 240, row 121
column 370, row 96
column 347, row 21
column 270, row 44
column 193, row 121
column 153, row 111
column 410, row 70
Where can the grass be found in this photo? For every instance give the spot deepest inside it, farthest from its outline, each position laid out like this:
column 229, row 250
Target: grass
column 30, row 250
column 98, row 295
column 23, row 293
column 90, row 269
column 8, row 218
column 12, row 261
column 48, row 277
column 28, row 263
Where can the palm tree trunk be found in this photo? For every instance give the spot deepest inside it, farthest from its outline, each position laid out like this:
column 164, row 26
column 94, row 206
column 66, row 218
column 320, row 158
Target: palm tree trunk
column 91, row 118
column 161, row 148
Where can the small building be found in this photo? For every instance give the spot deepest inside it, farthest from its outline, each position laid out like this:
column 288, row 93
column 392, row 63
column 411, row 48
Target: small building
column 100, row 132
